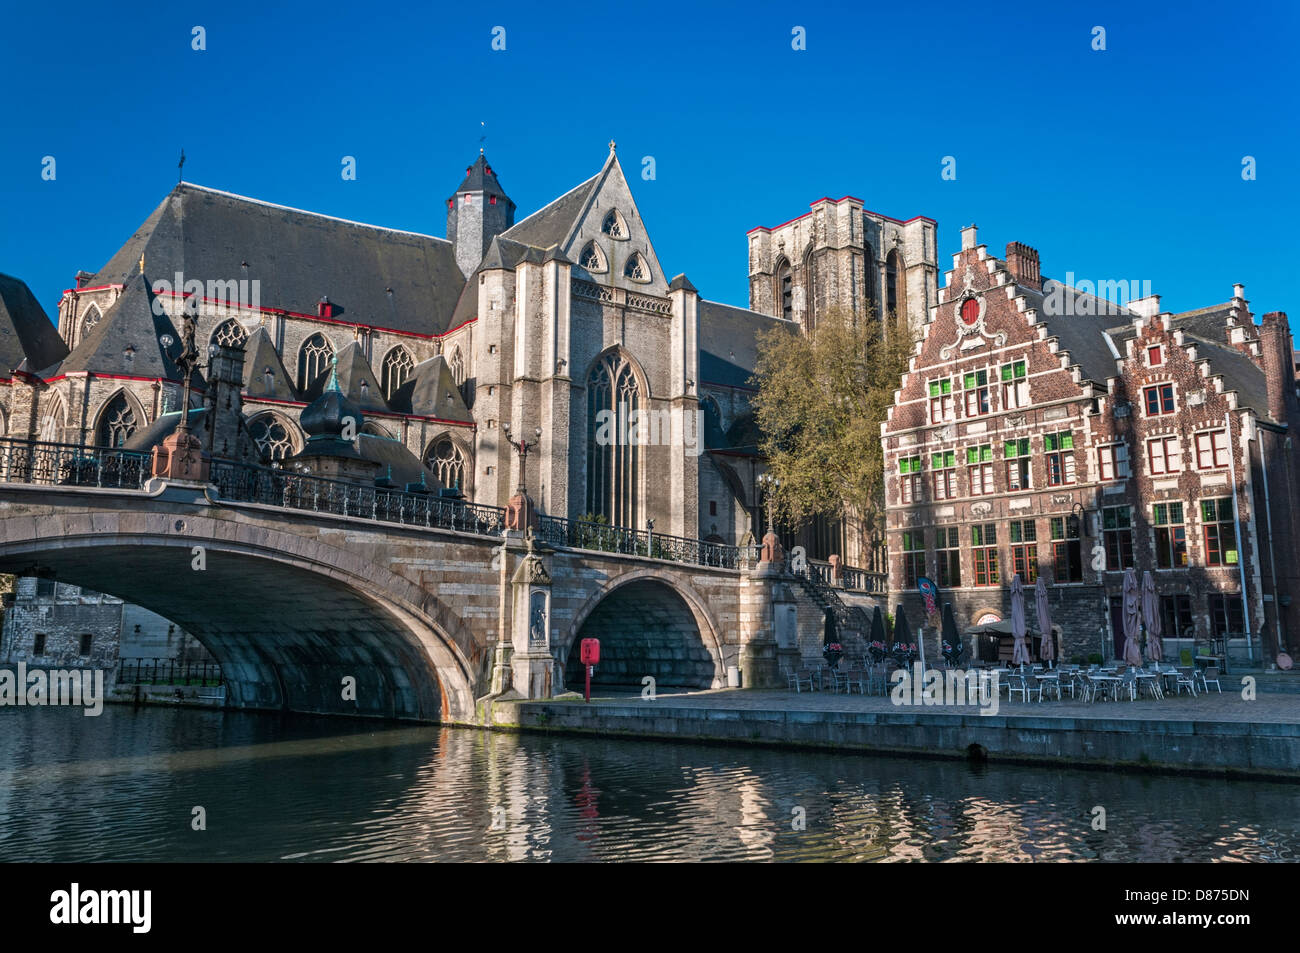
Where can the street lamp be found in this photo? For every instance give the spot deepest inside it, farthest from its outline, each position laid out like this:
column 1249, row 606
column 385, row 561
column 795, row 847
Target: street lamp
column 522, row 447
column 769, row 485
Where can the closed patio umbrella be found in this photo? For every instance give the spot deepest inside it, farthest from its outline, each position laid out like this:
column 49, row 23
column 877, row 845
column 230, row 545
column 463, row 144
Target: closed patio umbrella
column 1132, row 618
column 1151, row 615
column 1019, row 651
column 950, row 633
column 1047, row 651
column 902, row 633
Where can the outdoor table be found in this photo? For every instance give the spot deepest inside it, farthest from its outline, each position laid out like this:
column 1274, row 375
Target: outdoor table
column 1105, row 679
column 1154, row 679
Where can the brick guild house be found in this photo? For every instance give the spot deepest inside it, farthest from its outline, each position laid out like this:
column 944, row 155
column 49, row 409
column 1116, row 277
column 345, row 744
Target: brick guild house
column 1044, row 430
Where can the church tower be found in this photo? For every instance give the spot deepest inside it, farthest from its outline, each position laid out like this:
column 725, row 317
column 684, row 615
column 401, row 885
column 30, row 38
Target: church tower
column 478, row 212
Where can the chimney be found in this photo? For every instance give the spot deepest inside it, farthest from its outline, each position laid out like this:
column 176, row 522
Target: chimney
column 1278, row 361
column 323, row 308
column 1022, row 262
column 968, row 241
column 1239, row 292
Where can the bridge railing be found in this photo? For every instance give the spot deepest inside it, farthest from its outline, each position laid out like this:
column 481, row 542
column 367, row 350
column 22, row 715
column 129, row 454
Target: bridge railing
column 298, row 491
column 61, row 464
column 850, row 577
column 579, row 534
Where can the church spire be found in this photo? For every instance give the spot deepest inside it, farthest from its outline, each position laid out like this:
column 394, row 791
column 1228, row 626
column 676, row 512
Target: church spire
column 477, row 212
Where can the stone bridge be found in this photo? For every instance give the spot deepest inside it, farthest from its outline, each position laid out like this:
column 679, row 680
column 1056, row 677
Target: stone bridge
column 296, row 602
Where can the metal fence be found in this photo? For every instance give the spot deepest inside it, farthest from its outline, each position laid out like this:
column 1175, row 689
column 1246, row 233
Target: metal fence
column 297, row 491
column 166, row 671
column 578, row 534
column 58, row 464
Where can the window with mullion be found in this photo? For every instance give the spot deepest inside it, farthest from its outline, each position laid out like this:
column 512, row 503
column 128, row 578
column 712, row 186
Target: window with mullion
column 1220, row 533
column 984, row 549
column 948, row 555
column 1171, row 535
column 1117, row 534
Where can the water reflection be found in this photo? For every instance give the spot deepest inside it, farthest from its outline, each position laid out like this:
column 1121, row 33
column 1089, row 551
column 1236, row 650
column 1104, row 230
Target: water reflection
column 122, row 787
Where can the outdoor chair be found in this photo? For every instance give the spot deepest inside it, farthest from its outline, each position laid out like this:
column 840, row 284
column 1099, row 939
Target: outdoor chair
column 798, row 679
column 1210, row 676
column 1186, row 679
column 1128, row 684
column 1026, row 685
column 1050, row 685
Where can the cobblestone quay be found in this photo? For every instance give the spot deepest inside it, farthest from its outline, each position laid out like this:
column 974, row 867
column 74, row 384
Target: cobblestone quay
column 1210, row 734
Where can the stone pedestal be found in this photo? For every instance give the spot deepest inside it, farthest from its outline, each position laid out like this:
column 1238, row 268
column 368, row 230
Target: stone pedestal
column 180, row 456
column 761, row 591
column 531, row 663
column 521, row 515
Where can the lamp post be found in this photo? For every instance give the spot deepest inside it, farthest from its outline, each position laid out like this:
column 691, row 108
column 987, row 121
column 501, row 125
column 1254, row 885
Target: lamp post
column 769, row 485
column 650, row 537
column 1079, row 522
column 522, row 447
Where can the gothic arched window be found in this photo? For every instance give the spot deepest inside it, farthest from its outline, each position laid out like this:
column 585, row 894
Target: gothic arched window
column 613, row 225
column 785, row 290
column 637, row 268
column 54, row 422
column 272, row 436
column 447, row 462
column 895, row 288
column 117, row 422
column 91, row 319
column 397, row 368
column 593, row 259
column 613, row 456
column 457, row 365
column 313, row 359
column 230, row 334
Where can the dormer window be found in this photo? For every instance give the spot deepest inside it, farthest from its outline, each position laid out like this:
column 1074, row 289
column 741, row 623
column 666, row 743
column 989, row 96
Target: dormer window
column 492, row 200
column 614, row 226
column 593, row 259
column 637, row 269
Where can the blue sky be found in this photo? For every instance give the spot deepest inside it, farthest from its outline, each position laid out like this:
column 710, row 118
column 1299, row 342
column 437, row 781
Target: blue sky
column 1117, row 164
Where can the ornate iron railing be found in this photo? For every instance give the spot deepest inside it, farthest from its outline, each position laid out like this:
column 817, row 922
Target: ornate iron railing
column 297, row 491
column 578, row 534
column 166, row 671
column 60, row 464
column 850, row 577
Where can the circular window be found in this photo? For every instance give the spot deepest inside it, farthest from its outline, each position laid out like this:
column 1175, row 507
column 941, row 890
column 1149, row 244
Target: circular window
column 970, row 311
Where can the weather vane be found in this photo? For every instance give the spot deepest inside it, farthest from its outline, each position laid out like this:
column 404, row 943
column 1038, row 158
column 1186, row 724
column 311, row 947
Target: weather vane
column 179, row 167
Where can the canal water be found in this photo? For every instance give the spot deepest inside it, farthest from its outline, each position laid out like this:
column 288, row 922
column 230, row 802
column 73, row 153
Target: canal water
column 125, row 786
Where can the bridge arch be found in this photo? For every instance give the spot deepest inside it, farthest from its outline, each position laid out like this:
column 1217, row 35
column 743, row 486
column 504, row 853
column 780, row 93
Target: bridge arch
column 288, row 616
column 649, row 622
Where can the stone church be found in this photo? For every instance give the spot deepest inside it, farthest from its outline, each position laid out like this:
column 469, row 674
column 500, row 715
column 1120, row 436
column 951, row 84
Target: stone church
column 563, row 321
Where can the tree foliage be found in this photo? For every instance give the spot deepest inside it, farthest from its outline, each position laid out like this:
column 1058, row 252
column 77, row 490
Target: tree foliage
column 821, row 400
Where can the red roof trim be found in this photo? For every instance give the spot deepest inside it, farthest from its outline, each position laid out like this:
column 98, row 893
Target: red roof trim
column 846, row 198
column 383, row 415
column 68, row 291
column 121, row 377
column 315, row 317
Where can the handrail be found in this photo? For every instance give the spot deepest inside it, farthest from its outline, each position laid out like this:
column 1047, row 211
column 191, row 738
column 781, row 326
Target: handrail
column 60, row 464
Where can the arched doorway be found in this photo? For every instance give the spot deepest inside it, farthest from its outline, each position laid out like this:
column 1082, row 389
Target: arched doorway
column 645, row 627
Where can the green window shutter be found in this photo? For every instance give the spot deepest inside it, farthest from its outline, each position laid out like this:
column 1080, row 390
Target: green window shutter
column 950, row 458
column 1067, row 441
column 936, row 461
column 968, row 381
column 1007, row 370
column 972, row 455
column 986, row 453
column 934, row 388
column 1049, row 442
column 1011, row 449
column 947, row 385
column 1020, row 368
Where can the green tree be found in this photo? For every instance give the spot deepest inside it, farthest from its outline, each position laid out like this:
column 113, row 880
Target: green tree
column 820, row 403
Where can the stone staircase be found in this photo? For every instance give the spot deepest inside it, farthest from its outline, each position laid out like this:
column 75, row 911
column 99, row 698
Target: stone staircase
column 850, row 620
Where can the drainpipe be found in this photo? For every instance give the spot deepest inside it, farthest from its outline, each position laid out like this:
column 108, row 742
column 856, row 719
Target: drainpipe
column 1272, row 562
column 1236, row 528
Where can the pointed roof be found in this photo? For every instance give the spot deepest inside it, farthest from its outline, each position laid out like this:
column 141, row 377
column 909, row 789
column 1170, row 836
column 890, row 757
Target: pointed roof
column 479, row 177
column 431, row 391
column 26, row 333
column 350, row 371
column 128, row 338
column 552, row 224
column 297, row 257
column 260, row 358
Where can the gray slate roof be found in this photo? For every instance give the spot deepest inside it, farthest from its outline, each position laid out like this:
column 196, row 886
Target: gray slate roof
column 26, row 333
column 133, row 325
column 298, row 257
column 481, row 178
column 1083, row 334
column 353, row 371
column 431, row 391
column 1239, row 373
column 259, row 354
column 729, row 342
column 551, row 224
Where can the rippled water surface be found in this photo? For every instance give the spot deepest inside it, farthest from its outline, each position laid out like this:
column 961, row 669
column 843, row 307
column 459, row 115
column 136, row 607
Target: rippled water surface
column 123, row 787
